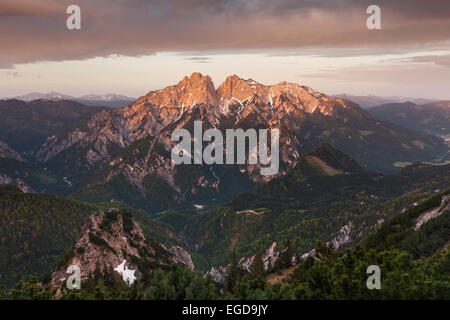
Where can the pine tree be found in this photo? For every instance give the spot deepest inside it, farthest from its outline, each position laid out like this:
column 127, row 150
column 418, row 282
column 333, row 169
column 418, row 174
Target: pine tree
column 257, row 268
column 285, row 258
column 232, row 272
column 3, row 293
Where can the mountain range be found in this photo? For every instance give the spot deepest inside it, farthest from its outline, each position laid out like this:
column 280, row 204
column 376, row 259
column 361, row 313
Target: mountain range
column 323, row 195
column 111, row 100
column 431, row 118
column 25, row 126
column 370, row 101
column 132, row 145
column 96, row 187
column 102, row 154
column 326, row 196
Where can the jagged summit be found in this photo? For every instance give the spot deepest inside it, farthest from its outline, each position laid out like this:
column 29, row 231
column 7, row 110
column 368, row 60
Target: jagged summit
column 192, row 90
column 199, row 89
column 114, row 242
column 134, row 143
column 237, row 88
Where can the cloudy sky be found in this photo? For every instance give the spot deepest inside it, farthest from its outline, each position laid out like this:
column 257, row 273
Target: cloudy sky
column 134, row 46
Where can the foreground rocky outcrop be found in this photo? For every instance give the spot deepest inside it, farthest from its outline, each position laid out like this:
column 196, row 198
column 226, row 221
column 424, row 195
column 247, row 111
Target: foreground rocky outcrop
column 271, row 255
column 6, row 179
column 113, row 241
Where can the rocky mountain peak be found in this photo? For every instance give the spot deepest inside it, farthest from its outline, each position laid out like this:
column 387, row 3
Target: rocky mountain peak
column 282, row 96
column 134, row 143
column 239, row 89
column 192, row 90
column 199, row 89
column 112, row 240
column 302, row 97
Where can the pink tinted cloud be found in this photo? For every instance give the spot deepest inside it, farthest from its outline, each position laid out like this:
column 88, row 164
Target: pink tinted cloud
column 35, row 30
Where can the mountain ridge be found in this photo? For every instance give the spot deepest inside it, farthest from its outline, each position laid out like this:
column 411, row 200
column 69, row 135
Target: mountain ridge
column 109, row 240
column 306, row 204
column 370, row 101
column 132, row 144
column 429, row 118
column 111, row 100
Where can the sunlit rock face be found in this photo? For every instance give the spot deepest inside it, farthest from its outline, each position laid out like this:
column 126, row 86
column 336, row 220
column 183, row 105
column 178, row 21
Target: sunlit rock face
column 108, row 242
column 110, row 143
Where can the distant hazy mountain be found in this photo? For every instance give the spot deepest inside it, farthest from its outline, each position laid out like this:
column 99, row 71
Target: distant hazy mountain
column 16, row 170
column 109, row 100
column 124, row 154
column 44, row 96
column 105, row 97
column 431, row 118
column 373, row 101
column 26, row 125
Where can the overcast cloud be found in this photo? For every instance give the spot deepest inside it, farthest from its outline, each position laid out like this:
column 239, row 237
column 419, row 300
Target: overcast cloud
column 35, row 30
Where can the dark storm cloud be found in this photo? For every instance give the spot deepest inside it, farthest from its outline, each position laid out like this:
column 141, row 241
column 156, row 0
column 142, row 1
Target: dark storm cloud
column 35, row 30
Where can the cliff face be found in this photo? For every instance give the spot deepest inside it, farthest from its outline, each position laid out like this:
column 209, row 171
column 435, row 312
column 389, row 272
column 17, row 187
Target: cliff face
column 271, row 255
column 8, row 153
column 194, row 98
column 7, row 179
column 182, row 256
column 113, row 241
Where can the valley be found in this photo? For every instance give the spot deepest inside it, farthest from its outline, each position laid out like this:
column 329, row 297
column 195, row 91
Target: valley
column 222, row 158
column 98, row 187
column 326, row 272
column 305, row 205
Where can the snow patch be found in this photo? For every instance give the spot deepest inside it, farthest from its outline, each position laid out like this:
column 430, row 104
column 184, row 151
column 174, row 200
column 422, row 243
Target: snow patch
column 127, row 274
